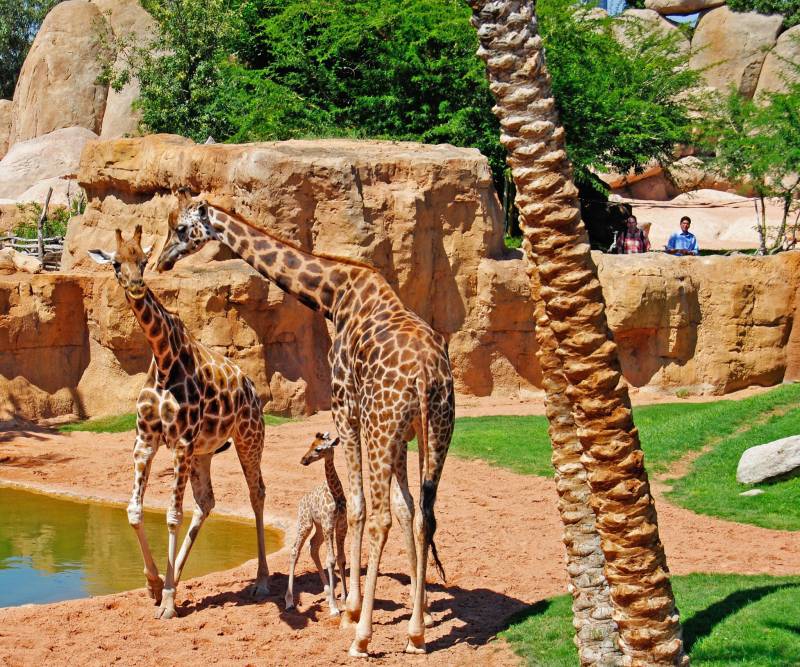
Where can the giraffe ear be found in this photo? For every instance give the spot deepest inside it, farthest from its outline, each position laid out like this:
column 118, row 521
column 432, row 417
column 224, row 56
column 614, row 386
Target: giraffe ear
column 101, row 256
column 183, row 196
column 335, row 442
column 202, row 209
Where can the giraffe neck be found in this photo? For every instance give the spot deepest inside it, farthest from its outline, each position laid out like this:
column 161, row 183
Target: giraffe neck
column 334, row 484
column 161, row 328
column 320, row 283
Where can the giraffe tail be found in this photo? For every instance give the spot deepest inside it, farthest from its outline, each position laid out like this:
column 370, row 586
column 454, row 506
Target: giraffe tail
column 227, row 445
column 428, row 499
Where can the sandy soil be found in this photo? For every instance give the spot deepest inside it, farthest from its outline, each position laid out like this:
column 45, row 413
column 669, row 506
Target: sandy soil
column 499, row 538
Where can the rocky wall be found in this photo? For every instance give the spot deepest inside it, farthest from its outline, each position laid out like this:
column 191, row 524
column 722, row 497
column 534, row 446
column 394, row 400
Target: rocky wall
column 426, row 216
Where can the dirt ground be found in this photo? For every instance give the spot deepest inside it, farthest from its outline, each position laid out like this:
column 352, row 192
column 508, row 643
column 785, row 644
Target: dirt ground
column 498, row 536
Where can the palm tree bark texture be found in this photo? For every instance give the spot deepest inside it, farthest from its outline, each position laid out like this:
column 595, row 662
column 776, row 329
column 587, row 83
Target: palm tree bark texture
column 557, row 244
column 596, row 633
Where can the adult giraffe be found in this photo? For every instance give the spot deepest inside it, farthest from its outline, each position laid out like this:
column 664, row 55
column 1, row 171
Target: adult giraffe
column 556, row 244
column 390, row 378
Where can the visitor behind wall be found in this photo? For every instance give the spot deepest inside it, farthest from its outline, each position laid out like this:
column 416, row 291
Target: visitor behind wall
column 683, row 242
column 633, row 240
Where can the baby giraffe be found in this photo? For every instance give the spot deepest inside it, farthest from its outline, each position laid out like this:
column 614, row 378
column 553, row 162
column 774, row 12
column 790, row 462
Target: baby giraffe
column 194, row 401
column 325, row 509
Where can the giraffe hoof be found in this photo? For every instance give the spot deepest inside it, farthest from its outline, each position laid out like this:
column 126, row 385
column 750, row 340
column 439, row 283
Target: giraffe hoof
column 260, row 589
column 427, row 620
column 334, row 611
column 415, row 647
column 155, row 588
column 165, row 612
column 358, row 649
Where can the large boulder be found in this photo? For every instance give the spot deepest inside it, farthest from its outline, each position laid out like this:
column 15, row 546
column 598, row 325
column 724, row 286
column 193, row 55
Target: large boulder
column 6, row 107
column 781, row 63
column 669, row 7
column 50, row 156
column 775, row 459
column 729, row 47
column 128, row 22
column 57, row 86
column 633, row 24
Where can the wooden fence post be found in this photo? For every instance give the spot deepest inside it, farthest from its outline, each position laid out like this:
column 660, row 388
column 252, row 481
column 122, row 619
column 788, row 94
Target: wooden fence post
column 40, row 225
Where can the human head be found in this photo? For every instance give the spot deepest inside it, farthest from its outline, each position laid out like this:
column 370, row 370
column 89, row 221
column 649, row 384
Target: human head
column 686, row 221
column 631, row 222
column 321, row 447
column 129, row 261
column 189, row 230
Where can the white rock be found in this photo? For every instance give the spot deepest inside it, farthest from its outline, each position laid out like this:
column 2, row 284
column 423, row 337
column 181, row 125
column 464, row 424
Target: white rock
column 54, row 155
column 752, row 492
column 771, row 460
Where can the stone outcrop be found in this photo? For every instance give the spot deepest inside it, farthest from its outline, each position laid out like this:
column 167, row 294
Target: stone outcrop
column 57, row 86
column 730, row 47
column 712, row 324
column 50, row 156
column 5, row 125
column 772, row 460
column 632, row 23
column 667, row 7
column 127, row 21
column 12, row 261
column 426, row 216
column 781, row 63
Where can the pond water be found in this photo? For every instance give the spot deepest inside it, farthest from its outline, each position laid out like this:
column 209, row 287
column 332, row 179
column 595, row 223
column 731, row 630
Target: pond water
column 53, row 549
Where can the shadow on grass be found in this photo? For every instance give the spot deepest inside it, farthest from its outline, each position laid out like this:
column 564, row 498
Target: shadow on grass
column 703, row 622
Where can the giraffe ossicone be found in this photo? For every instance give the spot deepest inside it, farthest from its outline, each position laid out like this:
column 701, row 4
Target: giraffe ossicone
column 391, row 378
column 195, row 401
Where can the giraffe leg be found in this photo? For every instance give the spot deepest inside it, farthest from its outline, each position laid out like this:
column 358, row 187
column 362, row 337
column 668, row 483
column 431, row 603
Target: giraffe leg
column 330, row 562
column 432, row 455
column 341, row 534
column 144, row 451
column 249, row 446
column 356, row 514
column 181, row 466
column 204, row 498
column 304, row 527
column 313, row 549
column 379, row 523
column 403, row 510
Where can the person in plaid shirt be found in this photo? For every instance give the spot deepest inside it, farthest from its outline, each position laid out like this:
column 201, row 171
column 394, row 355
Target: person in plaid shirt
column 633, row 240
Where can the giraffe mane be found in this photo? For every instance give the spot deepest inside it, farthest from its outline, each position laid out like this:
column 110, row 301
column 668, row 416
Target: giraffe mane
column 292, row 244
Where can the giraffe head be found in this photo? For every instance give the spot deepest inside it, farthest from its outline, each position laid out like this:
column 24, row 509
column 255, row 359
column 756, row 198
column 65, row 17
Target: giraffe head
column 189, row 230
column 321, row 448
column 128, row 260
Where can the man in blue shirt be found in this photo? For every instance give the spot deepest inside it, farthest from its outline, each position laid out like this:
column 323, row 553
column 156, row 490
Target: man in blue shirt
column 684, row 243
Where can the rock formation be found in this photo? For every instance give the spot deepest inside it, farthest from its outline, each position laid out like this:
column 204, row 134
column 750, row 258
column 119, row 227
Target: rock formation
column 426, row 216
column 730, row 47
column 57, row 87
column 773, row 460
column 781, row 63
column 5, row 125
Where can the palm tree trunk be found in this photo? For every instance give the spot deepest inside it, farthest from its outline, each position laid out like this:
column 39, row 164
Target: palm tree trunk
column 596, row 632
column 636, row 569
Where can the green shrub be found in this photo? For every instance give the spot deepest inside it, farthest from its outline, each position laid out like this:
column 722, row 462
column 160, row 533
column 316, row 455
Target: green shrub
column 789, row 8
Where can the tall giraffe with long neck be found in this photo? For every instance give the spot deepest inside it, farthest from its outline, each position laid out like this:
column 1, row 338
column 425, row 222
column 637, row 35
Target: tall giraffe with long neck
column 195, row 401
column 391, row 377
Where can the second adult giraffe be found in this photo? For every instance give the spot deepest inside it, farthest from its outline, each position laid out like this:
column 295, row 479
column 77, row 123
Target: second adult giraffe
column 390, row 377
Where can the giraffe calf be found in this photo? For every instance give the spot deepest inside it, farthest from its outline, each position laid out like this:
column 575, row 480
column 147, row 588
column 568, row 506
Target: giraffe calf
column 324, row 508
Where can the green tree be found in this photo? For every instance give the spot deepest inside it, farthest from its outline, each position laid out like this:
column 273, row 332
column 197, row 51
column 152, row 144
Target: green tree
column 19, row 21
column 758, row 143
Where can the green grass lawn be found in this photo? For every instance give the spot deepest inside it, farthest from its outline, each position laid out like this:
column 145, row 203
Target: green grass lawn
column 727, row 619
column 122, row 423
column 711, row 486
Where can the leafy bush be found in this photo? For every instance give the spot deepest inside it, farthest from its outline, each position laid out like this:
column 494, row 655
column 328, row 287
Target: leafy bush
column 58, row 217
column 245, row 70
column 789, row 8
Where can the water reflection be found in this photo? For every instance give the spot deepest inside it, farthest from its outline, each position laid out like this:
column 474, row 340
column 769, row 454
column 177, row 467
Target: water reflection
column 53, row 549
